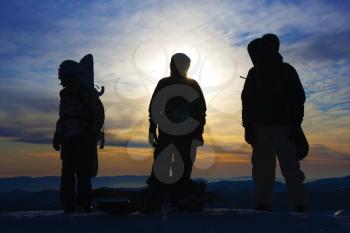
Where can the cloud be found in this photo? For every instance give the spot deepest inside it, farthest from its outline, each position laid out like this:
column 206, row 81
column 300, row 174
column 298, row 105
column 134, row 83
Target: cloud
column 323, row 153
column 323, row 48
column 132, row 42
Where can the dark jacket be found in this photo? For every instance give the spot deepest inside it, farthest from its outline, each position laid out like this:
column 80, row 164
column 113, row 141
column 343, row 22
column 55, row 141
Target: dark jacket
column 272, row 94
column 178, row 109
column 76, row 115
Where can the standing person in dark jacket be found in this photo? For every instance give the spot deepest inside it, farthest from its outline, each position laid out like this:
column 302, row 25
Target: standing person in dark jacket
column 75, row 137
column 272, row 112
column 177, row 118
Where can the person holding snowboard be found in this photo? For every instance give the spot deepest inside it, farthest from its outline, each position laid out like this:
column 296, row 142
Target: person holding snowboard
column 177, row 114
column 75, row 137
column 272, row 112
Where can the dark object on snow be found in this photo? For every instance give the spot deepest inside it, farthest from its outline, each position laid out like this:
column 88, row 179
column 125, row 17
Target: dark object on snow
column 126, row 201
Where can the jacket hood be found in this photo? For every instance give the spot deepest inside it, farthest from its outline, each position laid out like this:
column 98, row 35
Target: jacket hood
column 69, row 68
column 179, row 65
column 255, row 51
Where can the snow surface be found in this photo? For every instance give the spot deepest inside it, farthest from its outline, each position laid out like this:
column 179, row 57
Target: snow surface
column 213, row 221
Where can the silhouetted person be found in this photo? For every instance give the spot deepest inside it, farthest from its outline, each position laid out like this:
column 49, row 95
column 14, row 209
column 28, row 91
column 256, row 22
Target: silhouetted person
column 75, row 136
column 272, row 112
column 177, row 111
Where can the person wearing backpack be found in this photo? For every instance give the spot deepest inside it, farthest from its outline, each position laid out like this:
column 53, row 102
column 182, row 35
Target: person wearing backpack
column 177, row 113
column 272, row 112
column 76, row 137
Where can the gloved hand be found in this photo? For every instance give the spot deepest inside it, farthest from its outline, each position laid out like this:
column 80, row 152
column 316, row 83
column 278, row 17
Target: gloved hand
column 199, row 141
column 152, row 139
column 249, row 134
column 197, row 136
column 56, row 143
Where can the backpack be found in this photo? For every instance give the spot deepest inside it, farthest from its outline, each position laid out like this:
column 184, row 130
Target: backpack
column 97, row 118
column 99, row 121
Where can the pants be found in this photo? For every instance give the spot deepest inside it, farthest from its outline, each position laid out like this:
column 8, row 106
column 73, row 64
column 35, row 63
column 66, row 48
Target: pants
column 77, row 155
column 173, row 159
column 272, row 141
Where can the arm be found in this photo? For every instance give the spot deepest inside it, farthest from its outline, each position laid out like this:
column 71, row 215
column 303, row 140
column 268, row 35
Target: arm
column 296, row 97
column 247, row 100
column 56, row 141
column 152, row 132
column 247, row 107
column 200, row 115
column 296, row 101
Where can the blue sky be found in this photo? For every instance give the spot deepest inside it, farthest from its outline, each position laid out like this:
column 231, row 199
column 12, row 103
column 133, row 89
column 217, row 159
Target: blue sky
column 132, row 42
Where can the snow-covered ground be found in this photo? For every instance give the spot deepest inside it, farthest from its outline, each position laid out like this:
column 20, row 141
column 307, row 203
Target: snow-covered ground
column 233, row 221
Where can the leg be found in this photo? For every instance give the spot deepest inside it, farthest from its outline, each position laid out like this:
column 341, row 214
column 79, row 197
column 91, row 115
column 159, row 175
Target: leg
column 264, row 163
column 84, row 153
column 67, row 188
column 290, row 168
column 188, row 154
column 152, row 179
column 159, row 169
column 84, row 189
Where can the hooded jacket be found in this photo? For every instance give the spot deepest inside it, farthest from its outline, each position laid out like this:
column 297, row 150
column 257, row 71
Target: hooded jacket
column 177, row 108
column 272, row 93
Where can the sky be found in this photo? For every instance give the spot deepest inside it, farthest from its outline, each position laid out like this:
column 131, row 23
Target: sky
column 132, row 42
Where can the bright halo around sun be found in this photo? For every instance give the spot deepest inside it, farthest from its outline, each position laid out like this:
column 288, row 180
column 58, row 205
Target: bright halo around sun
column 151, row 61
column 213, row 70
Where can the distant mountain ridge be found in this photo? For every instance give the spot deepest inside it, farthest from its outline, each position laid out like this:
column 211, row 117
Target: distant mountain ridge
column 239, row 186
column 235, row 184
column 35, row 184
column 27, row 193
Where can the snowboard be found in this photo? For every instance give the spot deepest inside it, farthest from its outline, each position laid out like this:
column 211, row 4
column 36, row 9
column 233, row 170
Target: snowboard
column 87, row 66
column 87, row 78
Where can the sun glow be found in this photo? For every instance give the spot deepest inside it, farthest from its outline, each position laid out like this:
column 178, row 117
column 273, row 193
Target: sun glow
column 214, row 70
